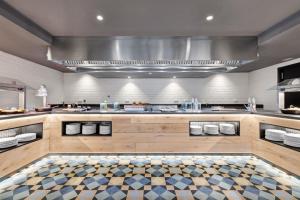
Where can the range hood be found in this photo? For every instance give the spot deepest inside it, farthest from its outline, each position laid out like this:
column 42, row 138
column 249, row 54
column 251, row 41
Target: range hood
column 288, row 85
column 177, row 54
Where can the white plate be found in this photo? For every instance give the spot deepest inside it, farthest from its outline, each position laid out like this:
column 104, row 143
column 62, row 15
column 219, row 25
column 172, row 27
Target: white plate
column 292, row 137
column 26, row 137
column 88, row 129
column 293, row 144
column 73, row 128
column 8, row 142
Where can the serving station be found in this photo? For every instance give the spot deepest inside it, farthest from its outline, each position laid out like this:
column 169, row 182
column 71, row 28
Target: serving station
column 153, row 133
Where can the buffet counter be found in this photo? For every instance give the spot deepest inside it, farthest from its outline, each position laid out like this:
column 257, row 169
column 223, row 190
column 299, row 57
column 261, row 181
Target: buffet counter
column 150, row 133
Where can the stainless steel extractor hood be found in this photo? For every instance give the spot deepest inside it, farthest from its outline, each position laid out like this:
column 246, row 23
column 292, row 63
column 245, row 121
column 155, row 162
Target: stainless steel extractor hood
column 288, row 85
column 128, row 54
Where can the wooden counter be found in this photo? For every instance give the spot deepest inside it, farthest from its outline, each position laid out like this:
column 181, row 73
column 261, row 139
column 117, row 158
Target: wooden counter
column 155, row 133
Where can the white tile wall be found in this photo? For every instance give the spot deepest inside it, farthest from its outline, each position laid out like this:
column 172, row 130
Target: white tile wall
column 221, row 88
column 33, row 75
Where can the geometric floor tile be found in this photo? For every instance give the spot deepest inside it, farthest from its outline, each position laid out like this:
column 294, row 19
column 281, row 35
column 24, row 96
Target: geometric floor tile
column 153, row 177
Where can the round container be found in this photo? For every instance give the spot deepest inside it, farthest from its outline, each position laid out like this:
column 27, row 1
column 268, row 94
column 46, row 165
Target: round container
column 26, row 137
column 211, row 129
column 196, row 130
column 275, row 135
column 228, row 129
column 8, row 133
column 8, row 142
column 104, row 129
column 72, row 128
column 88, row 129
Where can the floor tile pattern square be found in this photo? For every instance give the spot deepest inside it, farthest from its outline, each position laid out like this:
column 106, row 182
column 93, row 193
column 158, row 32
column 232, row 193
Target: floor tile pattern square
column 150, row 177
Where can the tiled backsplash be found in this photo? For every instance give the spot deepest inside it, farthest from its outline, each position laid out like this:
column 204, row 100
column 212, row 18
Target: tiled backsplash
column 221, row 88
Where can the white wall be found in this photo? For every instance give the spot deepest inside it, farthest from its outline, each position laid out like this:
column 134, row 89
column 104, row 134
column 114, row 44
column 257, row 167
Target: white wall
column 221, row 88
column 33, row 75
column 260, row 82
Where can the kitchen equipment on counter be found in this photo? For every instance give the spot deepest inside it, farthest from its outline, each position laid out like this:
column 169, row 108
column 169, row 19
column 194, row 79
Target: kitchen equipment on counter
column 26, row 137
column 8, row 142
column 291, row 110
column 8, row 133
column 292, row 139
column 73, row 128
column 275, row 135
column 227, row 129
column 88, row 129
column 46, row 109
column 11, row 111
column 105, row 128
column 211, row 129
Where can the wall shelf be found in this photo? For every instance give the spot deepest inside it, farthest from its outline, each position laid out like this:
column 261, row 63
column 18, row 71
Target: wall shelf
column 98, row 132
column 31, row 128
column 201, row 124
column 264, row 126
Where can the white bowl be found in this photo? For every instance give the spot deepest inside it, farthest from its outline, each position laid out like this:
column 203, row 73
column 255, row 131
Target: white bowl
column 25, row 137
column 293, row 144
column 274, row 134
column 211, row 129
column 8, row 142
column 88, row 129
column 73, row 128
column 292, row 137
column 104, row 129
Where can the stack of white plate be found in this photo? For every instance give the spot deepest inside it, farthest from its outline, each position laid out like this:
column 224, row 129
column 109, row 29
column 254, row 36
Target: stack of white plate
column 73, row 128
column 292, row 139
column 196, row 130
column 8, row 133
column 88, row 129
column 227, row 129
column 104, row 129
column 26, row 137
column 211, row 129
column 274, row 134
column 8, row 142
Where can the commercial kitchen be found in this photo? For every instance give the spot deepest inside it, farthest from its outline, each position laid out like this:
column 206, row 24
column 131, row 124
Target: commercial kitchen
column 157, row 100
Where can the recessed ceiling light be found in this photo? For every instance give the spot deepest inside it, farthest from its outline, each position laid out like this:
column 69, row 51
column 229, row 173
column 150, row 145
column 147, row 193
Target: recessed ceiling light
column 150, row 73
column 174, row 76
column 209, row 17
column 129, row 77
column 100, row 17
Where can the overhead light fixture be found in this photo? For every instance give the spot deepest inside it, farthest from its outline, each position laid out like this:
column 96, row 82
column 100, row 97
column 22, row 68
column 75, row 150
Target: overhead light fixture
column 100, row 18
column 209, row 17
column 129, row 77
column 150, row 73
column 174, row 76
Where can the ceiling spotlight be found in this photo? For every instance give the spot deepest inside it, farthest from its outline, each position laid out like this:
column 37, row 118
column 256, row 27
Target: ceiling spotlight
column 150, row 73
column 209, row 17
column 129, row 77
column 174, row 76
column 100, row 17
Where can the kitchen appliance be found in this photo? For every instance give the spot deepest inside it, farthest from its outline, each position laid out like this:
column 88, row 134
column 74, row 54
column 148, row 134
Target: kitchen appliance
column 288, row 88
column 109, row 56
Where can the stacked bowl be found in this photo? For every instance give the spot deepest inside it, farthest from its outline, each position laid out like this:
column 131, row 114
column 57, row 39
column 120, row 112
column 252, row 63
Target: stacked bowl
column 292, row 139
column 104, row 129
column 88, row 129
column 227, row 129
column 275, row 135
column 211, row 129
column 72, row 128
column 26, row 137
column 8, row 142
column 196, row 129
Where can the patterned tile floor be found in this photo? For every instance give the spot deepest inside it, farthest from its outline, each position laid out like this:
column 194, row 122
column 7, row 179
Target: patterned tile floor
column 150, row 177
